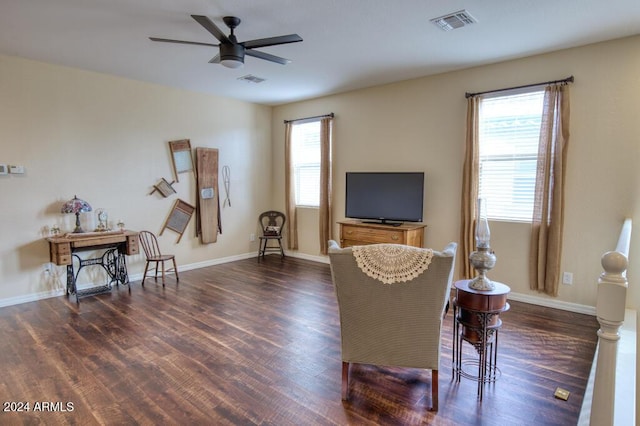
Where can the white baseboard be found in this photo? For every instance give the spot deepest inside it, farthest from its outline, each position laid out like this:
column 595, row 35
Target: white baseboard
column 552, row 303
column 10, row 301
column 535, row 300
column 519, row 297
column 319, row 259
column 203, row 264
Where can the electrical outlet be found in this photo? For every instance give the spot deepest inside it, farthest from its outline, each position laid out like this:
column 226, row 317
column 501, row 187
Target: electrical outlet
column 252, row 237
column 567, row 278
column 562, row 394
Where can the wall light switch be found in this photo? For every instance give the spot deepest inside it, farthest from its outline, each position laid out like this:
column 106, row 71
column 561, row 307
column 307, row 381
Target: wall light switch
column 3, row 169
column 16, row 169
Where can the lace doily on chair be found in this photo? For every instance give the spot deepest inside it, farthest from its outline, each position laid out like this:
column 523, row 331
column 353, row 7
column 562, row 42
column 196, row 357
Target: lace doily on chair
column 392, row 263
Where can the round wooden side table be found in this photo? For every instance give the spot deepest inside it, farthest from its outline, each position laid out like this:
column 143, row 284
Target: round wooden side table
column 476, row 316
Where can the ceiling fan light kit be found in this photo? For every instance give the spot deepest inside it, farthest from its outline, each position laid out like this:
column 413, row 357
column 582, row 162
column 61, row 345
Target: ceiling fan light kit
column 232, row 63
column 231, row 52
column 232, row 55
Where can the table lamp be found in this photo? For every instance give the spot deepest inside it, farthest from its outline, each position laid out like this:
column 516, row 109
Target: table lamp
column 483, row 259
column 77, row 206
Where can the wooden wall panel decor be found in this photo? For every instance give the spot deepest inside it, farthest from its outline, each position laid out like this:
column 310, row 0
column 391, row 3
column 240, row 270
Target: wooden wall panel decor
column 181, row 156
column 208, row 215
column 179, row 218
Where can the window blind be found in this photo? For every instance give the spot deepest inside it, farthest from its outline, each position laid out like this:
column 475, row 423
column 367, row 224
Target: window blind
column 509, row 131
column 305, row 154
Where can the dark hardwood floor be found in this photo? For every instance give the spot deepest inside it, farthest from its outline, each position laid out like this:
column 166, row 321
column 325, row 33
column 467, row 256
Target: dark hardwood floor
column 251, row 342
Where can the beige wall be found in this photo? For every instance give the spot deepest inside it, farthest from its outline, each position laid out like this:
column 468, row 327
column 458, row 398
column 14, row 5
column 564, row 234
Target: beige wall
column 418, row 125
column 105, row 139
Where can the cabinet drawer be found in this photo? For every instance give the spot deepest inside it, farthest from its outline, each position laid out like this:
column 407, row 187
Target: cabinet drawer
column 372, row 235
column 63, row 259
column 60, row 253
column 63, row 248
column 132, row 245
column 359, row 233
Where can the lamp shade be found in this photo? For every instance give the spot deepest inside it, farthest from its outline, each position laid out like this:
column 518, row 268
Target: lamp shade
column 76, row 206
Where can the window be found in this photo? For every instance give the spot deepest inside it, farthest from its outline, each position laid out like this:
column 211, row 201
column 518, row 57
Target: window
column 509, row 131
column 305, row 154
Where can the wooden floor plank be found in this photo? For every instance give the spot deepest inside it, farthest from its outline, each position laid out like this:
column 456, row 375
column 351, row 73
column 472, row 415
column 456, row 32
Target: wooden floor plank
column 258, row 343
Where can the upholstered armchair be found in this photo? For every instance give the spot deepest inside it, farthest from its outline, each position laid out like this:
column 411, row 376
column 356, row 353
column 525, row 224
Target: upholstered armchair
column 392, row 301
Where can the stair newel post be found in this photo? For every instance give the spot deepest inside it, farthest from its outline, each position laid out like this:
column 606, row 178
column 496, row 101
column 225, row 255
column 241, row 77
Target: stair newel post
column 610, row 309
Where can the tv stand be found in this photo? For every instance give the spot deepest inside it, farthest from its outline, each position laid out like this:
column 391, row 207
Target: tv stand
column 356, row 233
column 383, row 222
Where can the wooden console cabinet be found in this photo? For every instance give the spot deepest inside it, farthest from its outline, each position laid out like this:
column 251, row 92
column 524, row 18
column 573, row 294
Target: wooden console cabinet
column 357, row 233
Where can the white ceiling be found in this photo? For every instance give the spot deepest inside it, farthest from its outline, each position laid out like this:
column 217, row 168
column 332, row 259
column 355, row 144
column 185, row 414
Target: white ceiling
column 348, row 44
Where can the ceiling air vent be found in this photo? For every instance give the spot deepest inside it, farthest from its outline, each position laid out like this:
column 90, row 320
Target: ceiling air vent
column 251, row 78
column 454, row 20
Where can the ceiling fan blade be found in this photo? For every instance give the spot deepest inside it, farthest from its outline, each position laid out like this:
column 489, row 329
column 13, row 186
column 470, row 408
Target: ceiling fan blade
column 267, row 56
column 272, row 41
column 168, row 40
column 211, row 27
column 215, row 59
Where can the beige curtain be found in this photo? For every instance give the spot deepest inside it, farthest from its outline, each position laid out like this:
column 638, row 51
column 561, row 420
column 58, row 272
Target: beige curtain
column 470, row 173
column 548, row 206
column 289, row 192
column 326, row 225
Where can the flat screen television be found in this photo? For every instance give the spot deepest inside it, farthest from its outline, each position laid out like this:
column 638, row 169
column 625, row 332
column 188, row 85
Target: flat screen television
column 385, row 197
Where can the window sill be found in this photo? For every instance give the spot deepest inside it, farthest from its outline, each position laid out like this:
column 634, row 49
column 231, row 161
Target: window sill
column 510, row 221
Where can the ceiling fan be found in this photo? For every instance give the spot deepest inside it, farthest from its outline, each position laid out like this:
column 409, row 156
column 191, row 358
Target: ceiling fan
column 231, row 51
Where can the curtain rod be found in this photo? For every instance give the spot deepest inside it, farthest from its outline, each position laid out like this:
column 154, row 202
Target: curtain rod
column 565, row 81
column 309, row 118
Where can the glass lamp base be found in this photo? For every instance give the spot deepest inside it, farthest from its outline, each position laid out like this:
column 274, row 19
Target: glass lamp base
column 482, row 283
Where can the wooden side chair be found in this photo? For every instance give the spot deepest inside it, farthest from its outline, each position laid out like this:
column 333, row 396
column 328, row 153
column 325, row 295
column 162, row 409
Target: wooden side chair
column 149, row 244
column 272, row 224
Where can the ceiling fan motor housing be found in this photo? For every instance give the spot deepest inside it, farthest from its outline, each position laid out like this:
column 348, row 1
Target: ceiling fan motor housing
column 231, row 52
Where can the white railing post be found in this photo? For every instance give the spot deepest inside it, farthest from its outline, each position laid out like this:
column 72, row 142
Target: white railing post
column 610, row 311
